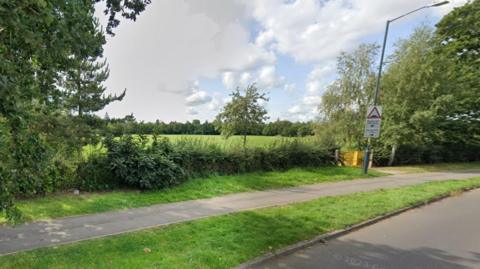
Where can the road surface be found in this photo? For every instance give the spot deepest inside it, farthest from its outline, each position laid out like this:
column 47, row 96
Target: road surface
column 445, row 234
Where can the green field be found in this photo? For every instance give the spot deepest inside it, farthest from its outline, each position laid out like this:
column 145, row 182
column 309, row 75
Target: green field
column 228, row 240
column 234, row 141
column 253, row 141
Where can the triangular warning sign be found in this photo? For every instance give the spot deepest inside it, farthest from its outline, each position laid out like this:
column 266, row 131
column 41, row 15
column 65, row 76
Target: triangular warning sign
column 374, row 114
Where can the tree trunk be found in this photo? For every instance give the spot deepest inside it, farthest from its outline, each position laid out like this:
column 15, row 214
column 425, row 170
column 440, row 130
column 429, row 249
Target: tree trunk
column 79, row 92
column 244, row 141
column 392, row 155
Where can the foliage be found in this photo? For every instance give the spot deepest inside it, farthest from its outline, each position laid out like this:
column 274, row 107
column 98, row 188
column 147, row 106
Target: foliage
column 84, row 88
column 228, row 240
column 243, row 113
column 133, row 162
column 429, row 115
column 344, row 104
column 203, row 160
column 287, row 128
column 136, row 165
column 429, row 94
column 38, row 40
column 129, row 125
column 457, row 46
column 95, row 174
column 129, row 9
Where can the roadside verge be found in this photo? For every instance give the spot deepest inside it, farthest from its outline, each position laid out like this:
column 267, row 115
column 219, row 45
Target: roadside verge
column 323, row 238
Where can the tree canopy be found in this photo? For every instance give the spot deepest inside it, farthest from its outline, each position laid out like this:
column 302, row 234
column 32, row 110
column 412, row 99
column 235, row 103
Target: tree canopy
column 429, row 93
column 344, row 103
column 39, row 41
column 243, row 113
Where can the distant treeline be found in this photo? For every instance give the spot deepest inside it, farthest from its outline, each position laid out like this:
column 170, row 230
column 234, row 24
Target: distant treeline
column 129, row 125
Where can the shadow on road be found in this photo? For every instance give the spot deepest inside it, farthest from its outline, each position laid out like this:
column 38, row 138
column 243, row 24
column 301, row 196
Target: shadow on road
column 356, row 254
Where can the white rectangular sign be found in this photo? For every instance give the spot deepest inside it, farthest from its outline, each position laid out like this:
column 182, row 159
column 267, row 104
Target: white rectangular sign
column 373, row 121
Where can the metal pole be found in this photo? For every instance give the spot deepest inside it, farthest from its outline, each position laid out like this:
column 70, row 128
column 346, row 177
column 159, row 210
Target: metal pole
column 366, row 156
column 377, row 88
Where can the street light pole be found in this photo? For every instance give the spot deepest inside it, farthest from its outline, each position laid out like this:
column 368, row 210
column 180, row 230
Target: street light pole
column 366, row 157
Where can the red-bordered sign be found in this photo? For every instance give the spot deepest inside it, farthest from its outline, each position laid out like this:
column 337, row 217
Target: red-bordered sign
column 374, row 113
column 373, row 121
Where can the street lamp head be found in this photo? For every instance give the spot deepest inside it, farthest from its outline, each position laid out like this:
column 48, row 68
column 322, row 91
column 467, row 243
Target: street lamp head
column 440, row 4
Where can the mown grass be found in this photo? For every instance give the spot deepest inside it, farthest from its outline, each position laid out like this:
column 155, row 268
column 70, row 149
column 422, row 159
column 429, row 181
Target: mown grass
column 61, row 205
column 226, row 241
column 436, row 167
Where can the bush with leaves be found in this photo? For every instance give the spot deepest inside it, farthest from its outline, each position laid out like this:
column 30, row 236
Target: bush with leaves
column 202, row 159
column 136, row 164
column 94, row 174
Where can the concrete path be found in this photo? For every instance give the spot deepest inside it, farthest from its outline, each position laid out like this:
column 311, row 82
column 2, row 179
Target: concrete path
column 71, row 229
column 445, row 234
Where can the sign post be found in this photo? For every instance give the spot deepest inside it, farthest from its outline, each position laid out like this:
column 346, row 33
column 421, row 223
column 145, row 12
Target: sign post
column 372, row 130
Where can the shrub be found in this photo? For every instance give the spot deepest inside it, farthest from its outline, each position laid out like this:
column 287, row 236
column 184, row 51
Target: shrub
column 131, row 161
column 137, row 165
column 202, row 159
column 94, row 174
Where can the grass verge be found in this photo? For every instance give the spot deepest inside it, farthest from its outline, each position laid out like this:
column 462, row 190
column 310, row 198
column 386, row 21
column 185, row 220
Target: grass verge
column 226, row 241
column 422, row 168
column 55, row 206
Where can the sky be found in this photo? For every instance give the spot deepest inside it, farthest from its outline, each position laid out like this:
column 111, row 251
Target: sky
column 182, row 58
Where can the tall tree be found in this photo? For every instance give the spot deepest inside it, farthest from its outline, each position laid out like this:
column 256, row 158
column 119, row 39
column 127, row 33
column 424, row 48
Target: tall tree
column 37, row 41
column 243, row 114
column 457, row 46
column 410, row 85
column 344, row 103
column 430, row 92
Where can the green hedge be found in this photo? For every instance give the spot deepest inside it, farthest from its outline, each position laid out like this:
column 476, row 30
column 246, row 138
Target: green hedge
column 139, row 163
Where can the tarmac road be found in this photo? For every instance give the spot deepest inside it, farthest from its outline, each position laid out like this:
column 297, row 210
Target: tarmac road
column 445, row 234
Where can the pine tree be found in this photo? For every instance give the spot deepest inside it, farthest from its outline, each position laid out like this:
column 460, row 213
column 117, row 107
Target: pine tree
column 84, row 87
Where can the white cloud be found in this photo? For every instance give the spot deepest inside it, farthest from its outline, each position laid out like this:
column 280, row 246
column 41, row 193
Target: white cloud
column 174, row 42
column 302, row 113
column 198, row 98
column 216, row 103
column 191, row 111
column 319, row 78
column 268, row 78
column 229, row 80
column 314, row 31
column 297, row 109
column 262, row 102
column 195, row 96
column 265, row 77
column 245, row 79
column 312, row 100
column 264, row 38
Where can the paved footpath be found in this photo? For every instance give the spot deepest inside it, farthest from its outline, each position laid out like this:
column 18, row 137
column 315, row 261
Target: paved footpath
column 71, row 229
column 443, row 235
